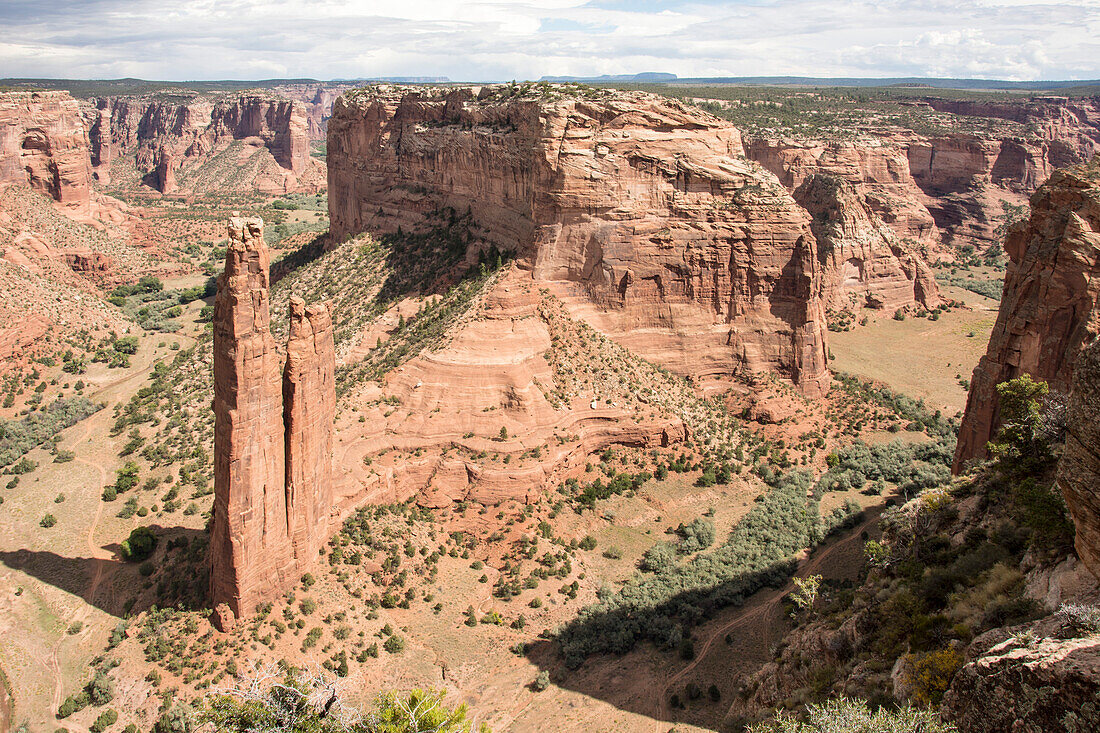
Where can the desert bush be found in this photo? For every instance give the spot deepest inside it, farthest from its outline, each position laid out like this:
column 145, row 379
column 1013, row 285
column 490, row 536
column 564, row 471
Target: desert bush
column 18, row 437
column 139, row 545
column 844, row 715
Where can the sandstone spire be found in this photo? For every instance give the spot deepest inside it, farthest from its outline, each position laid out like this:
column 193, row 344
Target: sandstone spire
column 272, row 491
column 309, row 408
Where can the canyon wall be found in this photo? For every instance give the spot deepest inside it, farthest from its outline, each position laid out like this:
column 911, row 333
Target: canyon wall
column 1079, row 468
column 950, row 186
column 272, row 447
column 43, row 145
column 166, row 133
column 1050, row 308
column 641, row 213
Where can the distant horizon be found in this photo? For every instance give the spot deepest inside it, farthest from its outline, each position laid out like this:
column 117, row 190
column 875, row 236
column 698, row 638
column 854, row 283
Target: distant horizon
column 641, row 77
column 195, row 40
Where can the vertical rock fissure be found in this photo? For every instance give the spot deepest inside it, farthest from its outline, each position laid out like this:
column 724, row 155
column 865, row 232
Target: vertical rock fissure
column 273, row 433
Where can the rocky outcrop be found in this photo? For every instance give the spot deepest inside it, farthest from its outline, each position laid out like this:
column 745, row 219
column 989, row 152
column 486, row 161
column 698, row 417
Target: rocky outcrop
column 1079, row 468
column 1037, row 678
column 272, row 477
column 643, row 214
column 309, row 408
column 1050, row 307
column 866, row 263
column 877, row 168
column 163, row 136
column 43, row 145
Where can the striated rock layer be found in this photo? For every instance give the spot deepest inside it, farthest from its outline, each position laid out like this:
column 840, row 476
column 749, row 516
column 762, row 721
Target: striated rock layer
column 272, row 479
column 43, row 145
column 642, row 214
column 1050, row 307
column 164, row 136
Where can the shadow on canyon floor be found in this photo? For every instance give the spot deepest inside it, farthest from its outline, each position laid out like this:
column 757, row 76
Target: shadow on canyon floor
column 729, row 643
column 109, row 583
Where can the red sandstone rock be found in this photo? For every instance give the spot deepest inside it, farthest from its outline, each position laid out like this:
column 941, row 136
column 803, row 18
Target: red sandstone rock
column 867, row 264
column 164, row 136
column 43, row 144
column 642, row 213
column 272, row 443
column 309, row 410
column 1079, row 468
column 1051, row 302
column 251, row 554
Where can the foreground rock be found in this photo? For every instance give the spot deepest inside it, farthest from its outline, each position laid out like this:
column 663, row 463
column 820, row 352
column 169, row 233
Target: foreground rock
column 1040, row 677
column 1050, row 306
column 1079, row 469
column 272, row 480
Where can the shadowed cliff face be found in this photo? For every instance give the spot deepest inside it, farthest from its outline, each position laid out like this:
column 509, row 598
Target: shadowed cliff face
column 43, row 145
column 641, row 214
column 1079, row 469
column 1051, row 303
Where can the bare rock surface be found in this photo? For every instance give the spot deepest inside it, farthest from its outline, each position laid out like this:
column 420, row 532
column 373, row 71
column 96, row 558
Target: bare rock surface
column 1049, row 309
column 43, row 144
column 272, row 483
column 642, row 214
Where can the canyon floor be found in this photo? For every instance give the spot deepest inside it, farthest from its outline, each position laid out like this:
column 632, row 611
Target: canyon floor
column 72, row 590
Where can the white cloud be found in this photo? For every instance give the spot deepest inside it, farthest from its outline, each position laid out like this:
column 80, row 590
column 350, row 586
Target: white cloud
column 501, row 39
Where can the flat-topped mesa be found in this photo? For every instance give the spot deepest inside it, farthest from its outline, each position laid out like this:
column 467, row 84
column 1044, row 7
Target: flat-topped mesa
column 1050, row 307
column 309, row 409
column 272, row 480
column 641, row 213
column 43, row 144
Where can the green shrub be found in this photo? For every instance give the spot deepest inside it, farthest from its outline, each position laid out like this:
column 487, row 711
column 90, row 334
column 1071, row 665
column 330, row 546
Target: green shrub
column 139, row 545
column 105, row 720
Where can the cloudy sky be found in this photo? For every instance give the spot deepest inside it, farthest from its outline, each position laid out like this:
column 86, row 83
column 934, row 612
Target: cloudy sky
column 477, row 40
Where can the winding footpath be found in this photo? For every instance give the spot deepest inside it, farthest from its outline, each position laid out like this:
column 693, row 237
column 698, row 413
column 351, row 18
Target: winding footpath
column 769, row 602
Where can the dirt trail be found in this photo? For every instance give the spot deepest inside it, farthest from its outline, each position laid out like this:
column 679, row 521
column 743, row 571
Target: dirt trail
column 762, row 606
column 95, row 423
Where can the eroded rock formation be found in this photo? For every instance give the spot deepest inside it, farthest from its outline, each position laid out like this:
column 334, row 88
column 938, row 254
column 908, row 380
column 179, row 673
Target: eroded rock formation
column 1079, row 469
column 642, row 214
column 43, row 145
column 166, row 136
column 272, row 437
column 1050, row 307
column 866, row 262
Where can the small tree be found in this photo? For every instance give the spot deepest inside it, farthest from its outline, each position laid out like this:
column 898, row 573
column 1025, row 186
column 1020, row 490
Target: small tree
column 806, row 594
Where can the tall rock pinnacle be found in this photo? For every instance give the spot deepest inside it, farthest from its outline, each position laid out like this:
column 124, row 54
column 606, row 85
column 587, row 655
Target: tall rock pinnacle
column 309, row 407
column 272, row 485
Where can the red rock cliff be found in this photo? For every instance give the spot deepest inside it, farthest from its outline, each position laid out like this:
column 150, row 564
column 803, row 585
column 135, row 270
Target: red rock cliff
column 271, row 480
column 1079, row 469
column 1051, row 302
column 643, row 214
column 187, row 131
column 43, row 145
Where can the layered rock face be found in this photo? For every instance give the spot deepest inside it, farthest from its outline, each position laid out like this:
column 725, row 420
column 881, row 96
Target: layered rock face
column 272, row 446
column 642, row 214
column 1079, row 468
column 309, row 406
column 866, row 262
column 1050, row 307
column 164, row 136
column 43, row 145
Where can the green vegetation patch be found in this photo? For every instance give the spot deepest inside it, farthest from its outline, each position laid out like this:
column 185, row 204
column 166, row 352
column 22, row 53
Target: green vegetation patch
column 18, row 437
